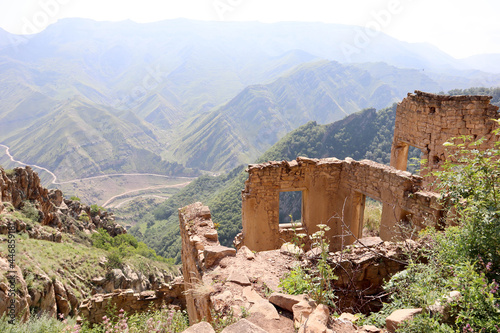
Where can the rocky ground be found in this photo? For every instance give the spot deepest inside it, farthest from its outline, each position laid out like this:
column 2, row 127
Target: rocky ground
column 247, row 285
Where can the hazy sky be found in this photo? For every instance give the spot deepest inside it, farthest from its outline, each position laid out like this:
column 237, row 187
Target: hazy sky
column 460, row 28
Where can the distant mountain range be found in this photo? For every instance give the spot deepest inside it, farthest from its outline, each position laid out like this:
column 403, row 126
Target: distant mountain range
column 84, row 97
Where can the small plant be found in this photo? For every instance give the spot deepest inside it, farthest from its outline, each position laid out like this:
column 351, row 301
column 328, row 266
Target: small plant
column 30, row 211
column 84, row 217
column 267, row 291
column 222, row 319
column 75, row 198
column 95, row 209
column 294, row 282
column 314, row 279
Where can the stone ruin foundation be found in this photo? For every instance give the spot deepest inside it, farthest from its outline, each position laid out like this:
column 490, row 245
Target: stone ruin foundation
column 333, row 193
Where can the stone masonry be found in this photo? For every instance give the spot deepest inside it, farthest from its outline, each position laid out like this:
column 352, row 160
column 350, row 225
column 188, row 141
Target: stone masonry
column 333, row 193
column 200, row 251
column 426, row 121
column 100, row 305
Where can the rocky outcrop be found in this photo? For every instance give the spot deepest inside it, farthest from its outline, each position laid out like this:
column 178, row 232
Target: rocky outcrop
column 13, row 279
column 22, row 188
column 126, row 278
column 27, row 207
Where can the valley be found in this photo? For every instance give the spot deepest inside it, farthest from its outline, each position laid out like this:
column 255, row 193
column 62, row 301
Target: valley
column 109, row 191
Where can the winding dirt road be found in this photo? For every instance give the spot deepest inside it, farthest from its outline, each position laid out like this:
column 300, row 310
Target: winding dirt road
column 7, row 152
column 142, row 189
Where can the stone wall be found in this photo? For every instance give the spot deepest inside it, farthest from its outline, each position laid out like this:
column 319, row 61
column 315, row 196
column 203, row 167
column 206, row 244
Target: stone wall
column 200, row 251
column 426, row 121
column 333, row 193
column 100, row 305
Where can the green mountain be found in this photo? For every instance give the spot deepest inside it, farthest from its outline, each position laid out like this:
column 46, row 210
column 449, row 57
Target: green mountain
column 79, row 139
column 245, row 127
column 222, row 100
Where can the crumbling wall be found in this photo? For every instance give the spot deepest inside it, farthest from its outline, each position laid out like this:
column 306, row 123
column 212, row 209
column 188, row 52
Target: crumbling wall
column 200, row 251
column 95, row 308
column 426, row 121
column 260, row 207
column 333, row 193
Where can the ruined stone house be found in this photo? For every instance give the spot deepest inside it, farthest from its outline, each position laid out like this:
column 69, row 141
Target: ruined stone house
column 334, row 191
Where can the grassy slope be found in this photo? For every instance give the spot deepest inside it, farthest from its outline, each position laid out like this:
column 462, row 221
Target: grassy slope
column 74, row 261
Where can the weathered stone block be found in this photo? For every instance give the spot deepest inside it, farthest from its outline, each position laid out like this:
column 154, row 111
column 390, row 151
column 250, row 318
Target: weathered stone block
column 399, row 316
column 285, row 301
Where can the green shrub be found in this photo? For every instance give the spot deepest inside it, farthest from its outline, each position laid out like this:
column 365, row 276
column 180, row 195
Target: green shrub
column 115, row 258
column 30, row 211
column 124, row 245
column 101, row 239
column 472, row 188
column 294, row 282
column 313, row 279
column 95, row 209
column 465, row 257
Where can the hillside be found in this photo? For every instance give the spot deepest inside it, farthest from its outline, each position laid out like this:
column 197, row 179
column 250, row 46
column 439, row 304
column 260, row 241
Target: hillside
column 195, row 77
column 79, row 139
column 64, row 251
column 194, row 93
column 245, row 127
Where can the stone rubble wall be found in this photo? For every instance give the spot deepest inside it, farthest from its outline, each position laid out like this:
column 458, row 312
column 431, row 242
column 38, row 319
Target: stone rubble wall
column 426, row 121
column 363, row 269
column 197, row 232
column 99, row 305
column 201, row 251
column 333, row 193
